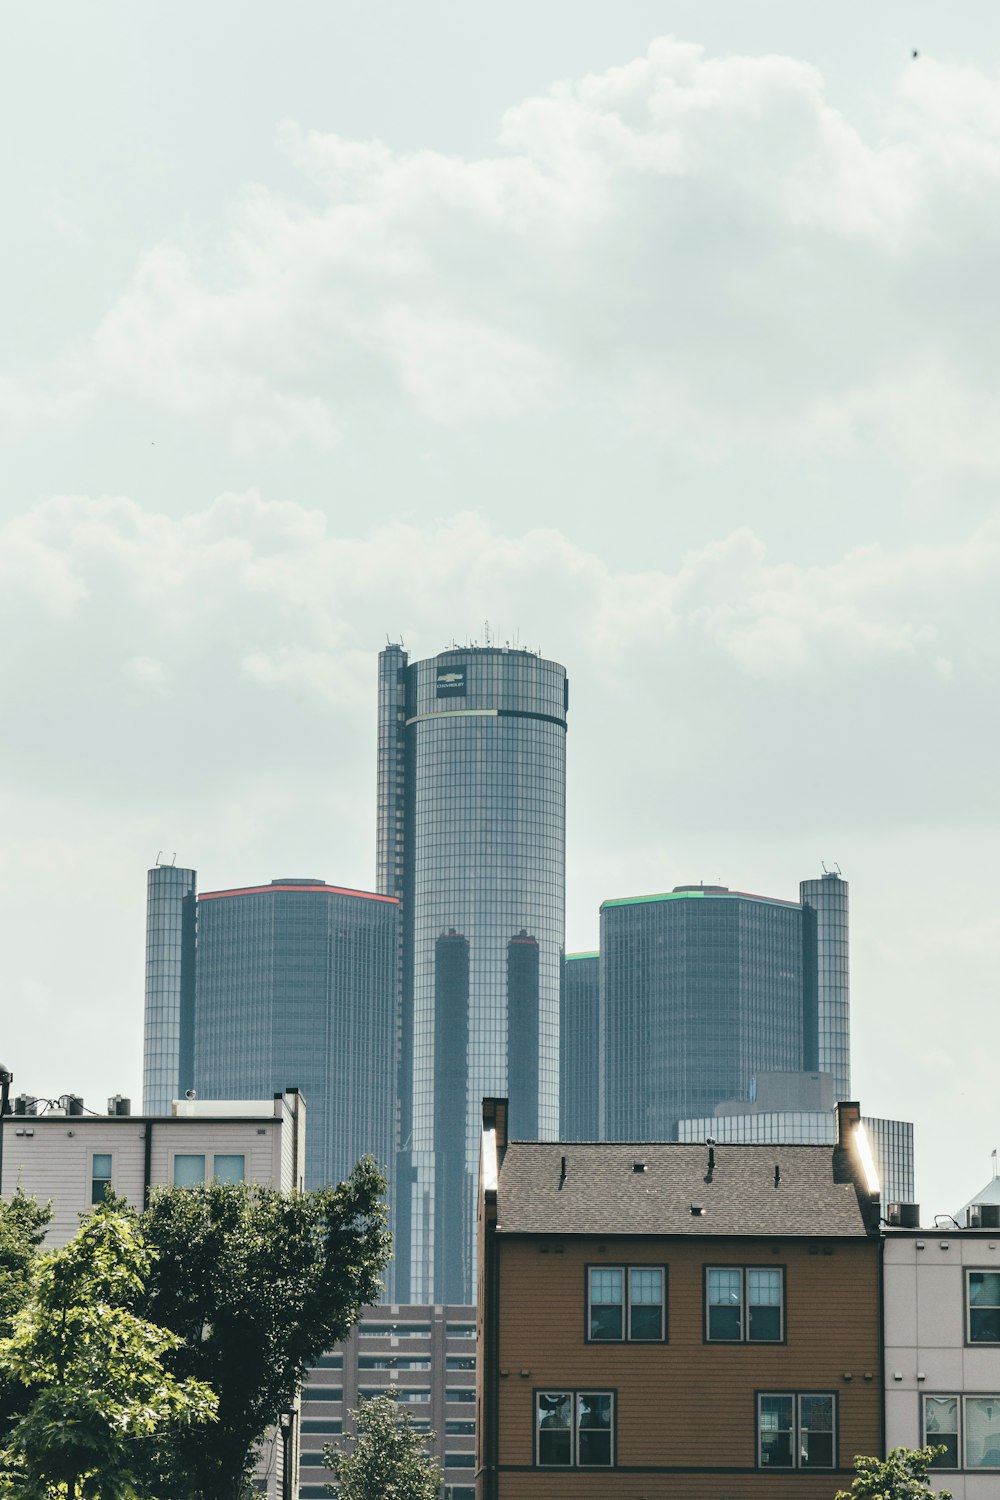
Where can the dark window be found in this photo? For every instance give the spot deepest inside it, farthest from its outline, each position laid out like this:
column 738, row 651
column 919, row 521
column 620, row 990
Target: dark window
column 574, row 1429
column 744, row 1304
column 984, row 1307
column 626, row 1302
column 796, row 1431
column 100, row 1176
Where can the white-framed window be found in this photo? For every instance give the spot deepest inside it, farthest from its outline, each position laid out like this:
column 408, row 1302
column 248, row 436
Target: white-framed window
column 967, row 1427
column 229, row 1167
column 982, row 1297
column 744, row 1304
column 796, row 1430
column 626, row 1303
column 101, row 1173
column 189, row 1169
column 574, row 1429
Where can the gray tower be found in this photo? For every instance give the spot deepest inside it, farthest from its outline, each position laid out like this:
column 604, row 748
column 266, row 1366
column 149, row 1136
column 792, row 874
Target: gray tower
column 701, row 989
column 828, row 992
column 471, row 837
column 297, row 986
column 171, row 933
column 579, row 1048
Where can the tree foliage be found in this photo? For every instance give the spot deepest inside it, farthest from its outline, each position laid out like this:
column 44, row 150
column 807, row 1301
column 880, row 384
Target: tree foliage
column 257, row 1284
column 386, row 1460
column 22, row 1228
column 92, row 1368
column 901, row 1476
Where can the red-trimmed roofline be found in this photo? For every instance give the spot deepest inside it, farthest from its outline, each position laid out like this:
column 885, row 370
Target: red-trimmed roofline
column 267, row 890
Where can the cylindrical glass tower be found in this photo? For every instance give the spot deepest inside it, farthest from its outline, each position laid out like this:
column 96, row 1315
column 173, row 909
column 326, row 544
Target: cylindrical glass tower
column 472, row 797
column 171, row 929
column 825, row 909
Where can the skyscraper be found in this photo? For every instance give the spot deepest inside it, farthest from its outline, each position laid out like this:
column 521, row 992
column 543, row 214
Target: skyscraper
column 296, row 985
column 579, row 1049
column 471, row 838
column 828, row 995
column 701, row 988
column 171, row 929
column 251, row 990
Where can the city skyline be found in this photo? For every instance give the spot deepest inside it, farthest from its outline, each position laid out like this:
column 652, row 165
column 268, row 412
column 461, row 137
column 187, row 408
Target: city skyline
column 654, row 338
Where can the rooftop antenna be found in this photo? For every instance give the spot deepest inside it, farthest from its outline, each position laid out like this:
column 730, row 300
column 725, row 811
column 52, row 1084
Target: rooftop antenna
column 158, row 853
column 837, row 867
column 486, row 632
column 173, row 858
column 993, row 1155
column 823, row 867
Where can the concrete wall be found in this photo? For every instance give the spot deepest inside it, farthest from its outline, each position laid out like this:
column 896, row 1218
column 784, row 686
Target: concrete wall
column 926, row 1353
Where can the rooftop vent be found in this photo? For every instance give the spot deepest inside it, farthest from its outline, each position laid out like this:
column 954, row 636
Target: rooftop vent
column 25, row 1104
column 904, row 1215
column 638, row 1166
column 119, row 1105
column 984, row 1216
column 697, row 1210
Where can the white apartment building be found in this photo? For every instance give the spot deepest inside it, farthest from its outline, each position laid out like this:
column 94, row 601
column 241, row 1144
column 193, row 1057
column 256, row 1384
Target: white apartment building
column 69, row 1157
column 942, row 1341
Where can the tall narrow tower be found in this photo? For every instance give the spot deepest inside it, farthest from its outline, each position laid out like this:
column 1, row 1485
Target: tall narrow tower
column 471, row 837
column 828, row 989
column 171, row 931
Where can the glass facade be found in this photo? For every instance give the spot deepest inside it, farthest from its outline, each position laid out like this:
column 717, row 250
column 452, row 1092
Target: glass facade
column 579, row 1032
column 828, row 992
column 891, row 1140
column 471, row 837
column 701, row 989
column 296, row 987
column 171, row 931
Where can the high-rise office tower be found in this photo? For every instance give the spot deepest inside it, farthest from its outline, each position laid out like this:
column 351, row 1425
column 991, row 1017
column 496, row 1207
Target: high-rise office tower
column 579, row 1050
column 251, row 990
column 828, row 995
column 171, row 927
column 701, row 988
column 297, row 986
column 471, row 838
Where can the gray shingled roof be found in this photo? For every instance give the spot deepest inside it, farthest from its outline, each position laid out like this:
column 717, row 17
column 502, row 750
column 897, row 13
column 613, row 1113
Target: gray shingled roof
column 603, row 1195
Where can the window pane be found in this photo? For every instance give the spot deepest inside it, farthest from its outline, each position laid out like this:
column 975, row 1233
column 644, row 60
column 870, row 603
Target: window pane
column 102, row 1164
column 764, row 1306
column 555, row 1410
column 189, row 1171
column 982, row 1432
column 229, row 1168
column 607, row 1287
column 724, row 1305
column 594, row 1428
column 645, row 1303
column 776, row 1415
column 816, row 1432
column 984, row 1307
column 941, row 1429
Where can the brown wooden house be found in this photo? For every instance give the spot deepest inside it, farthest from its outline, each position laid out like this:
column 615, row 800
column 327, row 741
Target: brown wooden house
column 676, row 1322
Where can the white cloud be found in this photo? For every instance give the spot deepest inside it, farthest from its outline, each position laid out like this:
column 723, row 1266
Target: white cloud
column 703, row 248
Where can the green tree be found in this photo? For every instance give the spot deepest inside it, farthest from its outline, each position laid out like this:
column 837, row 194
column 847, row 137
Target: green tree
column 257, row 1284
column 901, row 1476
column 22, row 1229
column 92, row 1369
column 386, row 1460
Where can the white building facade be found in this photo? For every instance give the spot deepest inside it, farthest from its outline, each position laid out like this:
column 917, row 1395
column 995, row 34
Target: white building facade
column 942, row 1348
column 71, row 1158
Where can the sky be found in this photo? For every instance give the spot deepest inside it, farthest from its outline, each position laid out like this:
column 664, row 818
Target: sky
column 661, row 337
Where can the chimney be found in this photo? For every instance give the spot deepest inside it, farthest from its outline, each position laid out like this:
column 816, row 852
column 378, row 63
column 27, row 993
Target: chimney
column 848, row 1118
column 495, row 1118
